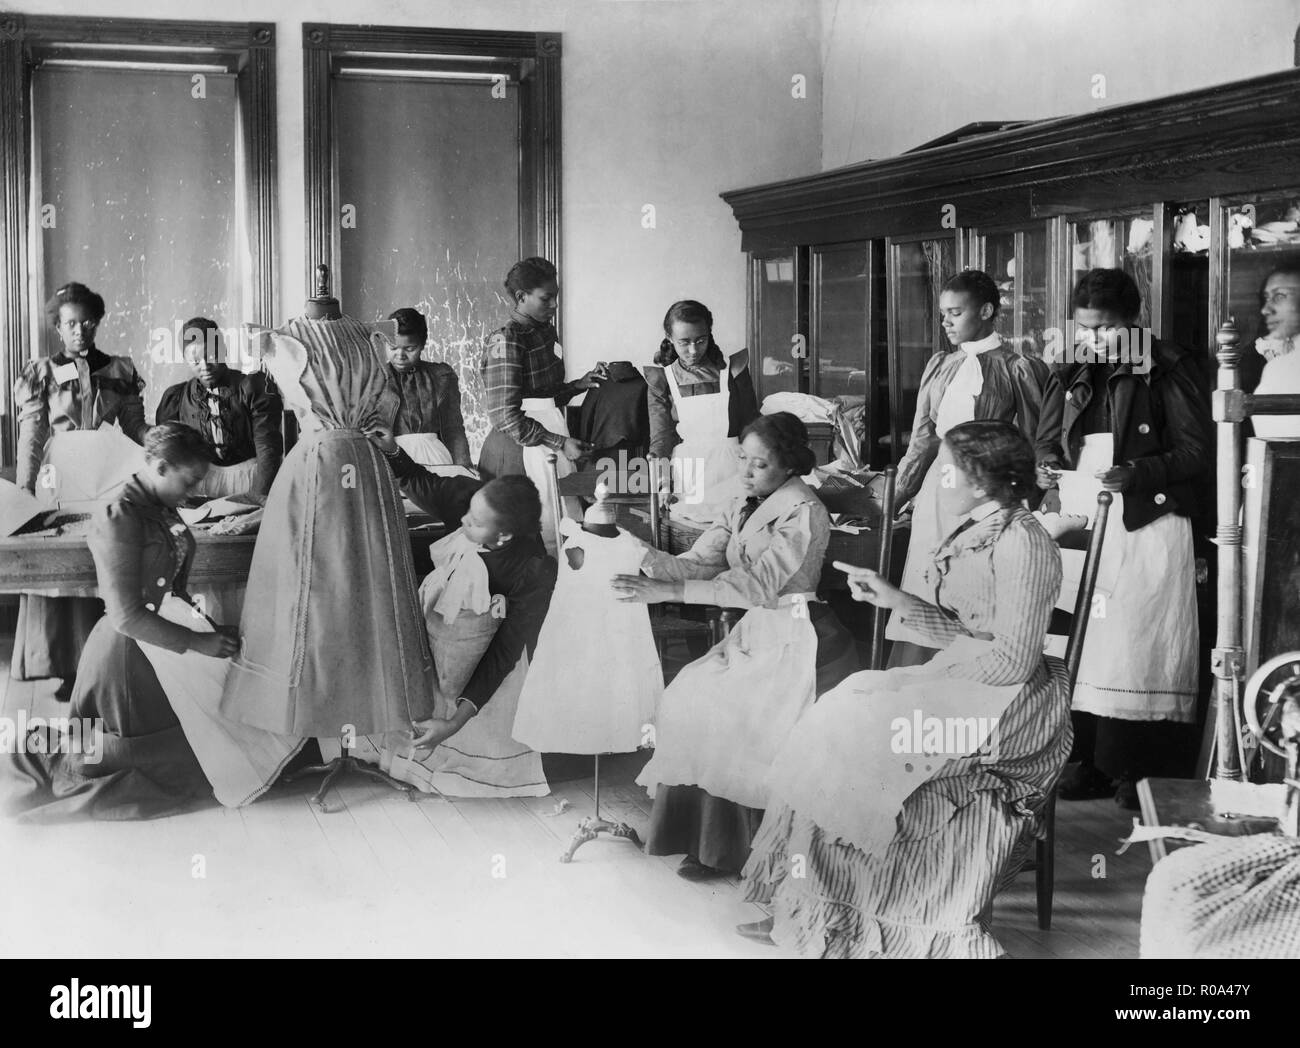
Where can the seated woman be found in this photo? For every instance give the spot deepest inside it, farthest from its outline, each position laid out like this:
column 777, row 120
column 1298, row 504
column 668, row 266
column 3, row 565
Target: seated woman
column 144, row 766
column 905, row 791
column 484, row 605
column 724, row 716
column 78, row 388
column 238, row 416
column 695, row 417
column 430, row 395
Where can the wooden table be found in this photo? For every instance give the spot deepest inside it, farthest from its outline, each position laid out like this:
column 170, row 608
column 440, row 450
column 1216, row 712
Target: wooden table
column 64, row 562
column 1186, row 803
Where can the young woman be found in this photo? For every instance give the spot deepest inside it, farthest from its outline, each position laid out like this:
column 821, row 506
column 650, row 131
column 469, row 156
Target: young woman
column 977, row 378
column 79, row 388
column 889, row 836
column 1141, row 429
column 696, row 417
column 237, row 414
column 484, row 605
column 144, row 766
column 724, row 715
column 1272, row 364
column 523, row 379
column 430, row 395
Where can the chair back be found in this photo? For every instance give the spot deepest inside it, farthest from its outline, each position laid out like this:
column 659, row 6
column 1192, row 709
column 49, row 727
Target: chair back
column 883, row 561
column 1087, row 586
column 557, row 503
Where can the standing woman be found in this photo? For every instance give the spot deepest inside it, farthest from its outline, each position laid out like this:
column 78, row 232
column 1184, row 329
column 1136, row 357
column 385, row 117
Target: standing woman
column 144, row 766
column 977, row 378
column 1143, row 430
column 79, row 388
column 429, row 416
column 523, row 378
column 696, row 417
column 724, row 716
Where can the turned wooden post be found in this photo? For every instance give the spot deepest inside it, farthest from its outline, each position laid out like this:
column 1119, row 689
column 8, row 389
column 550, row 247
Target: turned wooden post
column 1227, row 660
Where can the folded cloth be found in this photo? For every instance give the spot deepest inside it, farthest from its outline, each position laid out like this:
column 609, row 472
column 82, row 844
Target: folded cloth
column 459, row 578
column 803, row 405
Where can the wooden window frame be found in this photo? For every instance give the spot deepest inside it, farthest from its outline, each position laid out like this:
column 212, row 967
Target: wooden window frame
column 537, row 55
column 247, row 48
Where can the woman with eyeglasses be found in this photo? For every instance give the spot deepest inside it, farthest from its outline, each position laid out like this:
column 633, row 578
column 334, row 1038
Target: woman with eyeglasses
column 1137, row 423
column 695, row 417
column 78, row 388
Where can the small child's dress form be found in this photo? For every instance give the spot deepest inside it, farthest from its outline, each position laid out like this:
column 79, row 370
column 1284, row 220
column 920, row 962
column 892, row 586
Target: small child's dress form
column 596, row 680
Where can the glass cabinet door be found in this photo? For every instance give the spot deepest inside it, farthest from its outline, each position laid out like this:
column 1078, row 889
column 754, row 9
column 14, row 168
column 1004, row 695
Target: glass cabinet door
column 778, row 364
column 1259, row 235
column 1128, row 242
column 1017, row 262
column 917, row 270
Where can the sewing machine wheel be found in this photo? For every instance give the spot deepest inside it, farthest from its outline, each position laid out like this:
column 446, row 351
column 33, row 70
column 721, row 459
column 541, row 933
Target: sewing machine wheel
column 1265, row 697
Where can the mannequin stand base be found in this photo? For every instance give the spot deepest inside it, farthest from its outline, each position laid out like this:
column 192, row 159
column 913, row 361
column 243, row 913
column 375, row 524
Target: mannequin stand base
column 589, row 829
column 340, row 766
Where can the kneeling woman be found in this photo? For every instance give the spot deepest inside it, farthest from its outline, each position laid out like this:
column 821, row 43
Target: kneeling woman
column 906, row 791
column 724, row 716
column 152, row 669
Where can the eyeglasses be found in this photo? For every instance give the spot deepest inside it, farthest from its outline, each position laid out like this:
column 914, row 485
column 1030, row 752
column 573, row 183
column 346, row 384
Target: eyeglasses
column 691, row 343
column 72, row 325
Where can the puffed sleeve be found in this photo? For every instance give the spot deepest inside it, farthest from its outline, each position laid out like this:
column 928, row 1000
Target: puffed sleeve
column 451, row 421
column 131, row 414
column 659, row 403
column 761, row 582
column 1029, row 377
column 266, row 410
column 923, row 445
column 117, row 544
column 32, row 404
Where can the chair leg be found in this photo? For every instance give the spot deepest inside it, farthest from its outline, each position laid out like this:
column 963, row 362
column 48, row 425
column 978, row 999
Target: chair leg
column 1045, row 875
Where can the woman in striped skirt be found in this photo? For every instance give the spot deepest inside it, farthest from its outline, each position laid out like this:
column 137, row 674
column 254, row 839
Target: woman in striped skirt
column 899, row 798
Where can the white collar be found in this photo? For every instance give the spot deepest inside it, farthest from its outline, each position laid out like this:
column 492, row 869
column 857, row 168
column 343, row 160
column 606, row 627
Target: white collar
column 983, row 345
column 984, row 509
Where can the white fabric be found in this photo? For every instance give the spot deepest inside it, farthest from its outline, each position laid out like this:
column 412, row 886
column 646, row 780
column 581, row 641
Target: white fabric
column 425, row 449
column 958, row 403
column 1281, row 374
column 240, row 762
column 840, row 768
column 1139, row 657
column 459, row 578
column 228, row 480
column 706, row 463
column 545, row 413
column 596, row 679
column 930, row 526
column 82, row 468
column 803, row 405
column 724, row 717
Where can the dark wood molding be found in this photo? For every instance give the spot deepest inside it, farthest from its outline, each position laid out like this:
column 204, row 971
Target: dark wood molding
column 1233, row 138
column 247, row 49
column 534, row 56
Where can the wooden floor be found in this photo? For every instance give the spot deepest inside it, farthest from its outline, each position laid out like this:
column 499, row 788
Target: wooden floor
column 386, row 877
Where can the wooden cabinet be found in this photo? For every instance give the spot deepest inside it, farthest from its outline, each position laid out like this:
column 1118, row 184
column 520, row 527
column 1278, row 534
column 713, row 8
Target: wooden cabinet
column 1197, row 196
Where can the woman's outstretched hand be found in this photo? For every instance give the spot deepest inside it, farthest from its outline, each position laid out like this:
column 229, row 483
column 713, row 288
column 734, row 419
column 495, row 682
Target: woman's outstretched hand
column 872, row 587
column 382, row 438
column 637, row 589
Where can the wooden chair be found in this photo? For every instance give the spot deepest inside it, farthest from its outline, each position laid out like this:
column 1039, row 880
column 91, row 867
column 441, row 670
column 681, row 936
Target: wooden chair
column 1044, row 862
column 666, row 628
column 883, row 562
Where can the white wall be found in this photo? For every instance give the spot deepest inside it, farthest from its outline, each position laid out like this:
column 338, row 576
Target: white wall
column 665, row 102
column 897, row 74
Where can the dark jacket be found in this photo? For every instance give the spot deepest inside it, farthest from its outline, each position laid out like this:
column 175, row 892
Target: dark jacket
column 250, row 416
column 1160, row 424
column 742, row 407
column 522, row 571
column 615, row 414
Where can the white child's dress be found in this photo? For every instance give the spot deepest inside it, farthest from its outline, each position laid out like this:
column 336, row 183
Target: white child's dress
column 596, row 679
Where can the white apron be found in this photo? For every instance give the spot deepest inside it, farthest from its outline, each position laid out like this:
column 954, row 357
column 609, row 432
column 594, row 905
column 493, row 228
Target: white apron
column 856, row 756
column 705, row 465
column 544, row 412
column 228, row 480
column 1139, row 657
column 724, row 717
column 240, row 762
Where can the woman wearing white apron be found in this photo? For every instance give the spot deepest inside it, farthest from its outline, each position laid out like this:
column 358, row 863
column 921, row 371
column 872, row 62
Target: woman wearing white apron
column 902, row 799
column 484, row 604
column 724, row 716
column 979, row 379
column 429, row 391
column 523, row 379
column 1134, row 423
column 696, row 415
